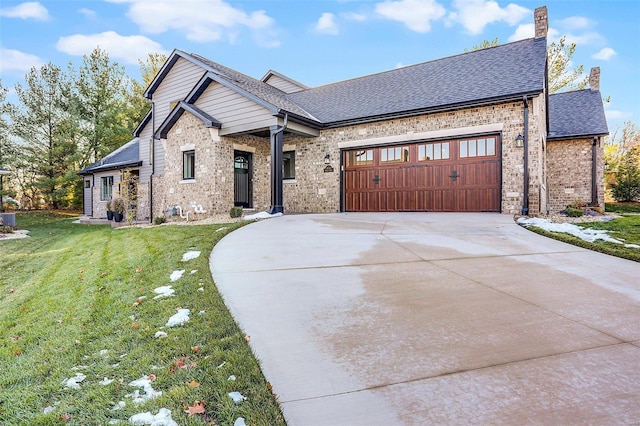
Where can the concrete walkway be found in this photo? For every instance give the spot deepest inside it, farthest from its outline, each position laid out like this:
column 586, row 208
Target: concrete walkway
column 425, row 318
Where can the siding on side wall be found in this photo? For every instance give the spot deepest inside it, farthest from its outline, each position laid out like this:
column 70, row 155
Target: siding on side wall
column 282, row 84
column 237, row 113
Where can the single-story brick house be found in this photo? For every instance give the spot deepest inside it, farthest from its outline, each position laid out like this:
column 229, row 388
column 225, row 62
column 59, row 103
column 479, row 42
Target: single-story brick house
column 472, row 132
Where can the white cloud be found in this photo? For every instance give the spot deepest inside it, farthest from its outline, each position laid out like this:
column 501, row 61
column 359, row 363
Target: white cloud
column 16, row 61
column 529, row 31
column 28, row 10
column 415, row 14
column 474, row 15
column 216, row 20
column 576, row 23
column 584, row 38
column 127, row 48
column 327, row 24
column 613, row 114
column 604, row 54
column 87, row 12
column 353, row 16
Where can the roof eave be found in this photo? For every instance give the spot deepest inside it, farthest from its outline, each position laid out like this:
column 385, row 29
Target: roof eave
column 575, row 136
column 107, row 167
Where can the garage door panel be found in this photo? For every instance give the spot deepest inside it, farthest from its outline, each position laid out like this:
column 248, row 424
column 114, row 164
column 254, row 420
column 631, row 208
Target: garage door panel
column 448, row 183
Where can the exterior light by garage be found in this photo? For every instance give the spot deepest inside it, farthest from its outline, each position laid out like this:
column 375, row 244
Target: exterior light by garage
column 519, row 141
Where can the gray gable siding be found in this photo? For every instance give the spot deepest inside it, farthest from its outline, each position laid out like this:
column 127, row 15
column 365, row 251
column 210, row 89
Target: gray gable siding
column 503, row 72
column 283, row 83
column 236, row 113
column 578, row 113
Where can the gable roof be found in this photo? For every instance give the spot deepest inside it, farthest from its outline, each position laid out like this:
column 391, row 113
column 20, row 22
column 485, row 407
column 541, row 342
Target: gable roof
column 125, row 156
column 177, row 112
column 143, row 123
column 502, row 72
column 272, row 73
column 576, row 114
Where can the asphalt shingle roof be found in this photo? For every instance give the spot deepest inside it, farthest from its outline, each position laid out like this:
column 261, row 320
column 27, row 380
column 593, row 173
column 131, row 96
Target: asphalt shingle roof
column 126, row 155
column 498, row 72
column 260, row 89
column 579, row 113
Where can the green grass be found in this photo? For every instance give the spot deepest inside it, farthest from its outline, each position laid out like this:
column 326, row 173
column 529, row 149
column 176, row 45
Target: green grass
column 69, row 292
column 622, row 207
column 626, row 229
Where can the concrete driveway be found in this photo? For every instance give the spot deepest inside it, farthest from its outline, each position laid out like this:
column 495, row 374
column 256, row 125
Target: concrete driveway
column 425, row 318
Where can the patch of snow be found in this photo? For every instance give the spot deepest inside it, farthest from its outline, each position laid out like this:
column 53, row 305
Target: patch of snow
column 104, row 352
column 48, row 409
column 176, row 275
column 239, row 422
column 201, row 289
column 119, row 406
column 632, row 246
column 160, row 335
column 132, row 317
column 79, row 367
column 201, row 313
column 237, row 397
column 261, row 215
column 145, row 384
column 106, row 381
column 231, row 378
column 74, row 382
column 116, row 365
column 585, row 234
column 221, row 229
column 190, row 255
column 114, row 422
column 193, row 271
column 179, row 319
column 164, row 291
column 163, row 418
column 222, row 365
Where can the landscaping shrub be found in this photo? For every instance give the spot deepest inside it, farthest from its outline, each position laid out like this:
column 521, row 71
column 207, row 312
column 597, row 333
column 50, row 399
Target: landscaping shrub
column 159, row 220
column 573, row 212
column 236, row 211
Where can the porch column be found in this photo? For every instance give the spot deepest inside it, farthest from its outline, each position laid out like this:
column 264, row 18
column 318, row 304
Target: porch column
column 276, row 169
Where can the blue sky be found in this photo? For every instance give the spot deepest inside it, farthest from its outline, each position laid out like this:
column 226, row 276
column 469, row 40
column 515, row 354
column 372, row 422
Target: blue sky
column 319, row 42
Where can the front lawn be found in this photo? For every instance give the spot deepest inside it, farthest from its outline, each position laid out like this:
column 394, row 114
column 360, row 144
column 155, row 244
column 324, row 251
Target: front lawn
column 625, row 229
column 77, row 301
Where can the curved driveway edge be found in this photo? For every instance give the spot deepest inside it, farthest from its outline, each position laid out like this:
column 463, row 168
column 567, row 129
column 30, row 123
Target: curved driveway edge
column 428, row 318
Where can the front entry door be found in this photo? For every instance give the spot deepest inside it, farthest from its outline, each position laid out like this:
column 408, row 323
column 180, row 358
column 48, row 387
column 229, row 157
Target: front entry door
column 87, row 197
column 242, row 179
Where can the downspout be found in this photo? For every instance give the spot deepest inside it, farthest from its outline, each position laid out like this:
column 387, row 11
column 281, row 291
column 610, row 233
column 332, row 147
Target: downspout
column 525, row 201
column 594, row 172
column 276, row 166
column 152, row 155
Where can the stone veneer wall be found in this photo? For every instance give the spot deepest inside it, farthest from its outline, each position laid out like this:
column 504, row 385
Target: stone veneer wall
column 569, row 168
column 99, row 206
column 313, row 189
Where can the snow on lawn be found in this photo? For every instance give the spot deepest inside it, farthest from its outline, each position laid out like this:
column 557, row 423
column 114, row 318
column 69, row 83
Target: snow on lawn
column 239, row 422
column 163, row 418
column 178, row 319
column 585, row 234
column 160, row 335
column 74, row 382
column 164, row 291
column 237, row 397
column 261, row 215
column 190, row 255
column 176, row 275
column 145, row 383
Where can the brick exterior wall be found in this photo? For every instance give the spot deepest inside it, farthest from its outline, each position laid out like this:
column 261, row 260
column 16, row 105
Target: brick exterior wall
column 569, row 169
column 314, row 190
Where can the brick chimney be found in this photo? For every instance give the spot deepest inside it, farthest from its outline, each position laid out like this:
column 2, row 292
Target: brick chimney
column 540, row 18
column 594, row 79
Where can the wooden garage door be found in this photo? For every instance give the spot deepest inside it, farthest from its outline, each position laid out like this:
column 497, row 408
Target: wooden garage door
column 461, row 175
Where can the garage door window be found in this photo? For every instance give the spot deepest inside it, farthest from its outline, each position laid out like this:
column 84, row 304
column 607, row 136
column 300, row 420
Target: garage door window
column 484, row 147
column 433, row 151
column 360, row 158
column 398, row 154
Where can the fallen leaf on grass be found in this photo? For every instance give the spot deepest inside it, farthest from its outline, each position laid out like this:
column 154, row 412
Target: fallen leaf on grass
column 135, row 325
column 12, row 291
column 104, row 274
column 22, row 309
column 195, row 349
column 138, row 269
column 196, row 408
column 15, row 339
column 247, row 338
column 152, row 377
column 65, row 417
column 193, row 384
column 182, row 362
column 17, row 352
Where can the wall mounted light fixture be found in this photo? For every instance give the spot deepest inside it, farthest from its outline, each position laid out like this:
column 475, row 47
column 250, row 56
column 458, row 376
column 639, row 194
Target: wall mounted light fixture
column 327, row 159
column 519, row 141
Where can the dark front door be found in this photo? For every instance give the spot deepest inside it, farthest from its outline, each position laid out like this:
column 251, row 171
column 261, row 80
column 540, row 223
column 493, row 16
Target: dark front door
column 242, row 179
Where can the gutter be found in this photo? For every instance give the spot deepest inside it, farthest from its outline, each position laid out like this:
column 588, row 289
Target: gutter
column 152, row 156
